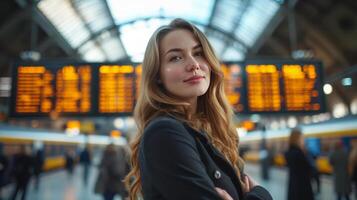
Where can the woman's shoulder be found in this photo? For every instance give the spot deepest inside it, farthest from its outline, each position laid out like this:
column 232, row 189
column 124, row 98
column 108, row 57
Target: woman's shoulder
column 165, row 127
column 163, row 122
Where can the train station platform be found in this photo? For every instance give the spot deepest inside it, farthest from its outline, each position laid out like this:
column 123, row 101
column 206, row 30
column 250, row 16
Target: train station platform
column 59, row 185
column 278, row 183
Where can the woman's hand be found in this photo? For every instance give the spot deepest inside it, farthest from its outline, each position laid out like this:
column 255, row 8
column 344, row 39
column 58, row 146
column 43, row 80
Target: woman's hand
column 224, row 195
column 249, row 183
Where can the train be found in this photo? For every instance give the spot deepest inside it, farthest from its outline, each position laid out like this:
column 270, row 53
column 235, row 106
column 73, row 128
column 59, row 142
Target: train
column 320, row 139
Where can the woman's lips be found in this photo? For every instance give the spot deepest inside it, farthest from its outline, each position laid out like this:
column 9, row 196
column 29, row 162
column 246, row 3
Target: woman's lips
column 194, row 79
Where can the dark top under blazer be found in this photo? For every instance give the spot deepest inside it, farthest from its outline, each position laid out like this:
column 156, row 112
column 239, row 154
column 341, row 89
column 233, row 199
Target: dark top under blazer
column 177, row 162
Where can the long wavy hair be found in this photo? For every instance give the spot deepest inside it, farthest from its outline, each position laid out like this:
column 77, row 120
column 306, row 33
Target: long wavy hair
column 214, row 113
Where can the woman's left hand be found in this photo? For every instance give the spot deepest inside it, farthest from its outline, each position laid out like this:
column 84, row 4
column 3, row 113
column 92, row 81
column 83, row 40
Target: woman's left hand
column 249, row 183
column 223, row 194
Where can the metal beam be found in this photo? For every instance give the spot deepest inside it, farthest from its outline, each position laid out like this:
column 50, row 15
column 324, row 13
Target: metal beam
column 116, row 26
column 48, row 27
column 116, row 30
column 87, row 27
column 12, row 23
column 236, row 24
column 271, row 26
column 317, row 35
column 214, row 9
column 277, row 46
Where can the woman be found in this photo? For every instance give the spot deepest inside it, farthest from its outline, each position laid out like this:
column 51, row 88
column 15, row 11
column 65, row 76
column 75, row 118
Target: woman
column 300, row 168
column 187, row 146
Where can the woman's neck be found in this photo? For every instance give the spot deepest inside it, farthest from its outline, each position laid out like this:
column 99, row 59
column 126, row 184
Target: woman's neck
column 193, row 106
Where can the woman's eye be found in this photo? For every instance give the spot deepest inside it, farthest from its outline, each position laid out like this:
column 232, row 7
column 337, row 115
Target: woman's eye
column 200, row 53
column 175, row 58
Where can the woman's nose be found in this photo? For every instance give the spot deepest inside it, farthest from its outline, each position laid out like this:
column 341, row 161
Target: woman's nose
column 192, row 64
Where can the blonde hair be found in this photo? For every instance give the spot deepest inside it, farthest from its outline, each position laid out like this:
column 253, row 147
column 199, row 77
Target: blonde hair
column 214, row 112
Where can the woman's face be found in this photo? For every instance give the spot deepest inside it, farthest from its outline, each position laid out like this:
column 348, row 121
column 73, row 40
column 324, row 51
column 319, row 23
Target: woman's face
column 184, row 70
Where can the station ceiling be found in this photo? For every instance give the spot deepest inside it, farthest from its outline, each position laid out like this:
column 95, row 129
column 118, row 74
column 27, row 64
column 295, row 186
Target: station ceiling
column 118, row 30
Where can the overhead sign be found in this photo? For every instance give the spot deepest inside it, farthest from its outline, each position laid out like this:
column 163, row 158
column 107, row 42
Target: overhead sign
column 95, row 89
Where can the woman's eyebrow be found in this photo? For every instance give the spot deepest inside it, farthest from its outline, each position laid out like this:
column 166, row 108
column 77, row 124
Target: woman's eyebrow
column 197, row 46
column 173, row 50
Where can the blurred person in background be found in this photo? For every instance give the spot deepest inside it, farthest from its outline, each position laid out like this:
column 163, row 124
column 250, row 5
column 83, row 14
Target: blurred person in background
column 113, row 168
column 38, row 165
column 300, row 168
column 339, row 163
column 70, row 159
column 22, row 171
column 85, row 159
column 315, row 174
column 4, row 166
column 187, row 144
column 352, row 164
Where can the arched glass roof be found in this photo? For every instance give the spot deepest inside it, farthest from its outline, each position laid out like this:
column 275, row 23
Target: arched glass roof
column 112, row 30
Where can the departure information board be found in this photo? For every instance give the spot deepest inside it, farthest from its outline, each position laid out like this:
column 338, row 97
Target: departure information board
column 116, row 84
column 34, row 92
column 65, row 89
column 99, row 89
column 284, row 86
column 73, row 89
column 263, row 88
column 233, row 82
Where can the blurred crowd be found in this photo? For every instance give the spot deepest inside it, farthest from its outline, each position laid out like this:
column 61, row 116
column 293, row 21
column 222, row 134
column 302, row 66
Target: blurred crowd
column 27, row 163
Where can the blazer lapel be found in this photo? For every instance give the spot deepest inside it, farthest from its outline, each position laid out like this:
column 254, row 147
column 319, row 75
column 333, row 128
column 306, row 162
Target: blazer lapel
column 217, row 156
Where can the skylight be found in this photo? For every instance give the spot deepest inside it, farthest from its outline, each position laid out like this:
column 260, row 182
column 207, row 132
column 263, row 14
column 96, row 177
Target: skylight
column 118, row 29
column 125, row 11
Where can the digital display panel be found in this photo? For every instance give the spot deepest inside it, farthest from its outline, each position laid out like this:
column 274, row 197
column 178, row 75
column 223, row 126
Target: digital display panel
column 301, row 87
column 35, row 90
column 73, row 89
column 96, row 89
column 43, row 89
column 284, row 86
column 263, row 88
column 233, row 84
column 116, row 83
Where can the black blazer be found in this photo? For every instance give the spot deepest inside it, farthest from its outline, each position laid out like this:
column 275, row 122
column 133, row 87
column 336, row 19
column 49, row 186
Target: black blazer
column 177, row 162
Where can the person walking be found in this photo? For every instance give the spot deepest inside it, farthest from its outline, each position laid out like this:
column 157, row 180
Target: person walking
column 112, row 170
column 22, row 171
column 352, row 164
column 85, row 160
column 300, row 168
column 38, row 165
column 339, row 163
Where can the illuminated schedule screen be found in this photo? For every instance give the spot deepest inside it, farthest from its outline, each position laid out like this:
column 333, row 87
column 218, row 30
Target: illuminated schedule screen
column 41, row 89
column 73, row 89
column 233, row 82
column 98, row 89
column 279, row 86
column 116, row 84
column 263, row 88
column 67, row 89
